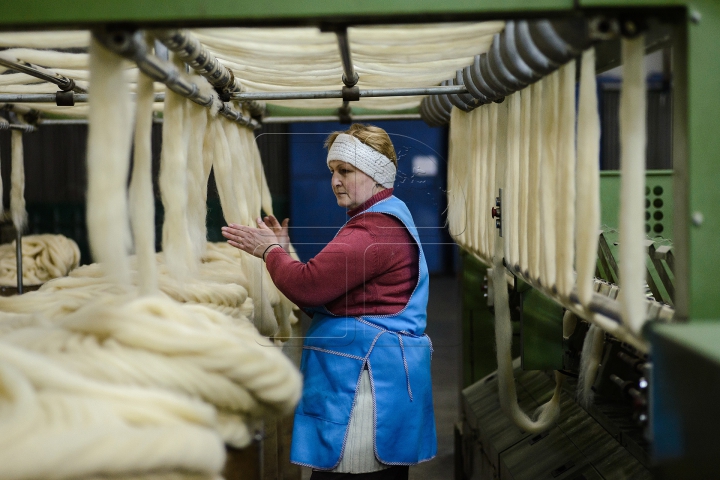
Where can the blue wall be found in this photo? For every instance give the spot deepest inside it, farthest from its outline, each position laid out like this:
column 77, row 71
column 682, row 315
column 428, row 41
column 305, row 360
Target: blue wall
column 314, row 214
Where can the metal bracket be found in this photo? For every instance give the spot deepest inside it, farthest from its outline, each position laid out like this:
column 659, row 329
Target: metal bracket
column 65, row 99
column 497, row 212
column 351, row 94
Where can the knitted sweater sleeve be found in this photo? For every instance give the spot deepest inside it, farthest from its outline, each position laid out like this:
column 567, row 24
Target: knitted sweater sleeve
column 338, row 268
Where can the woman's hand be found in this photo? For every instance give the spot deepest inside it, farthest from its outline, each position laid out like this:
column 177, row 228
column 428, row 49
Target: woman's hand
column 281, row 230
column 251, row 240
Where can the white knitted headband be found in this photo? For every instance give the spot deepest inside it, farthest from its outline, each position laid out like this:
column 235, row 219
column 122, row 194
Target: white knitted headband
column 374, row 164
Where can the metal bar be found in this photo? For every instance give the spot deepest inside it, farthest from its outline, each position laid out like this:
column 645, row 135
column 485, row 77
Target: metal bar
column 51, row 97
column 350, row 76
column 17, row 126
column 131, row 45
column 200, row 59
column 64, row 83
column 368, row 93
column 18, row 261
column 334, row 118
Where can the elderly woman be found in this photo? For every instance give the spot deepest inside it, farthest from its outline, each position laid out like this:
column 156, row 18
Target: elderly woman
column 366, row 410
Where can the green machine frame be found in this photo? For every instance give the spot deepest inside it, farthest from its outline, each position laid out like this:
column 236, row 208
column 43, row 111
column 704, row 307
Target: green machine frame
column 696, row 121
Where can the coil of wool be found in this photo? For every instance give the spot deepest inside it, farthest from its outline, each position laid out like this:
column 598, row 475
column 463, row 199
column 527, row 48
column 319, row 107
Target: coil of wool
column 44, row 257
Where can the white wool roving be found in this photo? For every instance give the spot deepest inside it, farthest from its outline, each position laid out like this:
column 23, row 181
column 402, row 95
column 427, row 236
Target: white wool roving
column 173, row 181
column 588, row 180
column 486, row 193
column 545, row 414
column 492, row 190
column 536, row 165
column 565, row 186
column 548, row 173
column 474, row 156
column 17, row 186
column 632, row 183
column 44, row 257
column 511, row 194
column 197, row 178
column 142, row 199
column 108, row 158
column 239, row 170
column 524, row 184
column 457, row 165
column 589, row 362
column 72, row 427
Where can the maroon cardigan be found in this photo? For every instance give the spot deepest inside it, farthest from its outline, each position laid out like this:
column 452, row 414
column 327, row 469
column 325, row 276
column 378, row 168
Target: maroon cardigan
column 369, row 268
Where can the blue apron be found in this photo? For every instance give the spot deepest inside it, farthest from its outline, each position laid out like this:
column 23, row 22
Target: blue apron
column 396, row 352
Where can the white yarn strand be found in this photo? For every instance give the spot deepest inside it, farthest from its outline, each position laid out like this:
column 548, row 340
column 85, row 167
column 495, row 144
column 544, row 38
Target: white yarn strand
column 588, row 180
column 589, row 362
column 534, row 188
column 548, row 192
column 108, row 158
column 512, row 180
column 565, row 185
column 523, row 207
column 173, row 181
column 142, row 199
column 632, row 183
column 17, row 186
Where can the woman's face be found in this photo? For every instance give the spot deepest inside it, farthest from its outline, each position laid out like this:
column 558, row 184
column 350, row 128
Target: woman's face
column 352, row 187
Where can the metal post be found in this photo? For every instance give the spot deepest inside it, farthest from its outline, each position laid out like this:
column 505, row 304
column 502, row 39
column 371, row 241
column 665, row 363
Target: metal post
column 350, row 76
column 18, row 261
column 65, row 84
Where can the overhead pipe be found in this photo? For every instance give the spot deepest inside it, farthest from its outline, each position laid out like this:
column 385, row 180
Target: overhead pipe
column 63, row 83
column 60, row 98
column 131, row 45
column 199, row 58
column 351, row 94
column 523, row 53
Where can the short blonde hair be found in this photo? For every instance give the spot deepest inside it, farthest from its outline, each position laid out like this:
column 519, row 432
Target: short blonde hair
column 372, row 136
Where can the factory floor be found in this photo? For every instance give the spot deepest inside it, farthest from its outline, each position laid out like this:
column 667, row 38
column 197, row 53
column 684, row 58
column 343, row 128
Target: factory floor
column 444, row 323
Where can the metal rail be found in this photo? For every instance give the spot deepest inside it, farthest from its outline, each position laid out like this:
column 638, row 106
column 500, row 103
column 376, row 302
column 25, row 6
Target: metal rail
column 367, row 93
column 334, row 118
column 200, row 59
column 279, row 119
column 64, row 83
column 17, row 126
column 131, row 45
column 52, row 97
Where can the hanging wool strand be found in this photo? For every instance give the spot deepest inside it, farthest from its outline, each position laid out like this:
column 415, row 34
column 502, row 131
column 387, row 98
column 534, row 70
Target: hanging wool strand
column 173, row 181
column 17, row 186
column 534, row 188
column 108, row 158
column 142, row 200
column 548, row 174
column 565, row 183
column 525, row 109
column 632, row 183
column 588, row 180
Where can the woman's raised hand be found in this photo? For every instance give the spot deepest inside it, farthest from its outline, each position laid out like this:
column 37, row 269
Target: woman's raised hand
column 281, row 230
column 254, row 241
